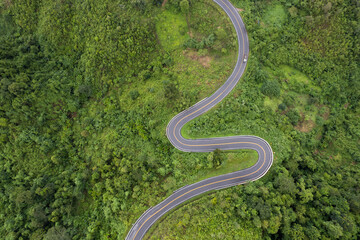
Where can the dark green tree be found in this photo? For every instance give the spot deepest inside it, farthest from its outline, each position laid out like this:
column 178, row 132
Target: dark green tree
column 271, row 88
column 293, row 116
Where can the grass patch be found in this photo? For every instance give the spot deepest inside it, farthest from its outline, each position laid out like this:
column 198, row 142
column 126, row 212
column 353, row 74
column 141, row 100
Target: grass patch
column 235, row 160
column 171, row 29
column 294, row 76
column 309, row 112
column 273, row 103
column 296, row 85
column 185, row 131
column 275, row 15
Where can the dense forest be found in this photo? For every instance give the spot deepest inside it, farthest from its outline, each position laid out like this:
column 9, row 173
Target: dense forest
column 88, row 87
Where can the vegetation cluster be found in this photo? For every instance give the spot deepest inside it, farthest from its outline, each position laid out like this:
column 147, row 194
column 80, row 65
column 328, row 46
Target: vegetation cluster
column 87, row 89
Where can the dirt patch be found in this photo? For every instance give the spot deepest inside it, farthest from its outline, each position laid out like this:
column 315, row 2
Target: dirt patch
column 237, row 93
column 205, row 61
column 240, row 9
column 71, row 115
column 7, row 3
column 305, row 126
column 326, row 113
column 164, row 2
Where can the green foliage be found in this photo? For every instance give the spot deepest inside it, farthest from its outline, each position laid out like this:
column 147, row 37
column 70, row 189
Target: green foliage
column 221, row 221
column 218, row 158
column 134, row 94
column 271, row 88
column 293, row 116
column 57, row 233
column 76, row 149
column 170, row 90
column 309, row 129
column 171, row 29
column 3, row 122
column 88, row 87
column 184, row 6
column 206, row 42
column 282, row 106
column 275, row 15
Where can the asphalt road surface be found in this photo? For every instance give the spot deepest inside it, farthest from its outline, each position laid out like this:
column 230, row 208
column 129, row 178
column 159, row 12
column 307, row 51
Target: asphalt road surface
column 173, row 132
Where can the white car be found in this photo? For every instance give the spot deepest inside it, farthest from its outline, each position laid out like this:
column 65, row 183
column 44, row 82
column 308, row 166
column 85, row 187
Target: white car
column 245, row 58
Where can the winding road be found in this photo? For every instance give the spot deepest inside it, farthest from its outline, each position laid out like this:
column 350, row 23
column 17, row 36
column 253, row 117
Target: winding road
column 173, row 132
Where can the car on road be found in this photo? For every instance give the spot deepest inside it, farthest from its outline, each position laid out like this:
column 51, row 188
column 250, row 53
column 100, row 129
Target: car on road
column 245, row 58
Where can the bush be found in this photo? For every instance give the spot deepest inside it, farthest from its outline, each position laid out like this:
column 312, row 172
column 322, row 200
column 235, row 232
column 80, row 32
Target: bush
column 170, row 90
column 289, row 101
column 271, row 89
column 293, row 116
column 282, row 106
column 134, row 94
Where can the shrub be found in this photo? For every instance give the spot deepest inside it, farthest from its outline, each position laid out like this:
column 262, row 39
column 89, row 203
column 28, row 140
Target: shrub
column 293, row 116
column 271, row 89
column 134, row 94
column 282, row 106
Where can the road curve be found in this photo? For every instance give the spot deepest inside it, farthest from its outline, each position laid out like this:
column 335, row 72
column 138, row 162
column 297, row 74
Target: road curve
column 173, row 132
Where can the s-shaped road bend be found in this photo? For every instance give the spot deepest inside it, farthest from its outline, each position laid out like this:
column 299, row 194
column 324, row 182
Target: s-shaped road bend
column 173, row 132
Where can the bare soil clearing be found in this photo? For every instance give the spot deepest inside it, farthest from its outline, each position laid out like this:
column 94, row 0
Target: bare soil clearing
column 205, row 61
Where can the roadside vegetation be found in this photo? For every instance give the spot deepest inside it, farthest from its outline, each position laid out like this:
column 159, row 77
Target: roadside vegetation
column 88, row 87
